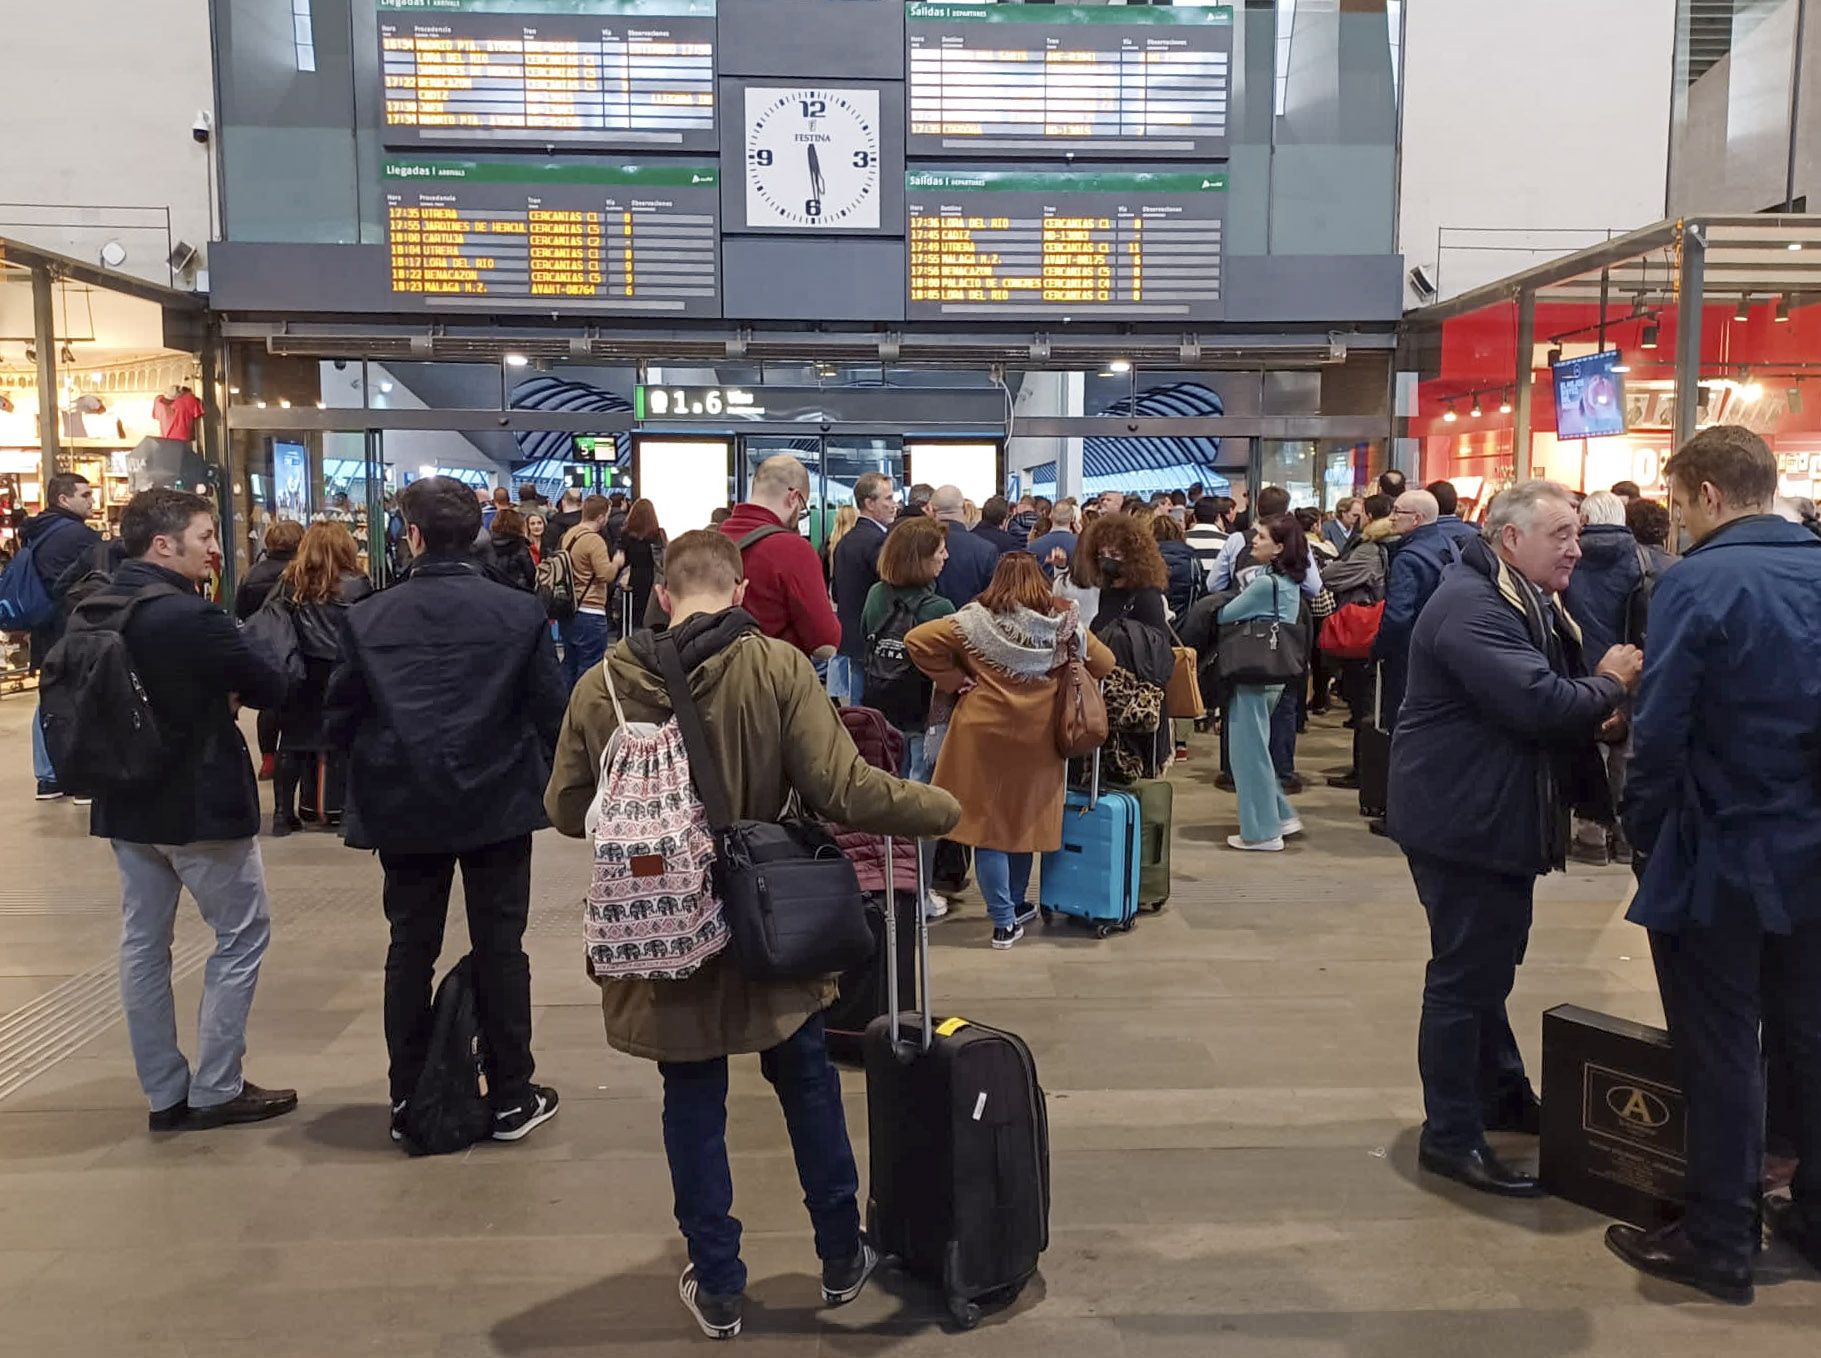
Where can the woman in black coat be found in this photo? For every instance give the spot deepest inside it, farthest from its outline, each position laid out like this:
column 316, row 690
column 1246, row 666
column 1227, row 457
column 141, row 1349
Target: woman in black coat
column 282, row 539
column 512, row 562
column 643, row 542
column 317, row 588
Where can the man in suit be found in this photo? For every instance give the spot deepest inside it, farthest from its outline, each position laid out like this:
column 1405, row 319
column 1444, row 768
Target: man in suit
column 1723, row 809
column 971, row 560
column 991, row 527
column 855, row 572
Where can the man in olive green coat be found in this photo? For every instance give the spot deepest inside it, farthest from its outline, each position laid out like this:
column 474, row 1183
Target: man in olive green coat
column 774, row 732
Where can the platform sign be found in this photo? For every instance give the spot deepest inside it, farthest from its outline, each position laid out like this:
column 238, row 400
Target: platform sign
column 1053, row 80
column 596, row 237
column 615, row 74
column 1069, row 245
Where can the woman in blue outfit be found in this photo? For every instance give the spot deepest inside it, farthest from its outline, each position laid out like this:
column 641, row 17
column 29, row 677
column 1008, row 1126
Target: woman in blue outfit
column 1280, row 558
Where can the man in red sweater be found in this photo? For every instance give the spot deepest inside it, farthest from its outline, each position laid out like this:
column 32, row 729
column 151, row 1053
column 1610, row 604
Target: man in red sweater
column 785, row 591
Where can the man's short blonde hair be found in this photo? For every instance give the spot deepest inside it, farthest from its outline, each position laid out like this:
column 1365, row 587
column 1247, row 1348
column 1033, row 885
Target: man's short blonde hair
column 702, row 562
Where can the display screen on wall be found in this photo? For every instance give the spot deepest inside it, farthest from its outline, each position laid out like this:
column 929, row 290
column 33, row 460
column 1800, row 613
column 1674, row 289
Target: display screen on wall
column 576, row 235
column 1070, row 244
column 616, row 74
column 1040, row 80
column 1589, row 397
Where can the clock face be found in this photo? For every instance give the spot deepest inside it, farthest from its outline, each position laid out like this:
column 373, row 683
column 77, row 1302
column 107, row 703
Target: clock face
column 812, row 158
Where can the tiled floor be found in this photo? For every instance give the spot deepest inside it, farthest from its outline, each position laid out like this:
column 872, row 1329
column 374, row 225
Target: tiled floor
column 1232, row 1094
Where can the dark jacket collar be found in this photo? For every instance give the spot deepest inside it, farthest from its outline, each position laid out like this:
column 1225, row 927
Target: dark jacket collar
column 137, row 573
column 698, row 638
column 445, row 563
column 1756, row 530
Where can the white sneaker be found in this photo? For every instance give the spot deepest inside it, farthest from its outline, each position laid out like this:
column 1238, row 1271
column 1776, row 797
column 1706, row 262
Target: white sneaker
column 1275, row 845
column 934, row 906
column 1293, row 826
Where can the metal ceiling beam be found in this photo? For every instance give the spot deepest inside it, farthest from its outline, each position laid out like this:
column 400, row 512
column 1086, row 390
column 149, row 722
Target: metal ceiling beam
column 79, row 271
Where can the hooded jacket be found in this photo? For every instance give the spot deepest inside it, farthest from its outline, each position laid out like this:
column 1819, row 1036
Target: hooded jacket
column 1599, row 594
column 774, row 732
column 1493, row 745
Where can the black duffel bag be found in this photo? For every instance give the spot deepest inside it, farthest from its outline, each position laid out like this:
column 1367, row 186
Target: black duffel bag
column 792, row 904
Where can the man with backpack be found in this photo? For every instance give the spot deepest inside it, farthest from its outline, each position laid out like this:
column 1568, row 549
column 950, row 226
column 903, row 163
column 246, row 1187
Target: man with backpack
column 55, row 541
column 776, row 734
column 592, row 567
column 447, row 764
column 139, row 700
column 785, row 593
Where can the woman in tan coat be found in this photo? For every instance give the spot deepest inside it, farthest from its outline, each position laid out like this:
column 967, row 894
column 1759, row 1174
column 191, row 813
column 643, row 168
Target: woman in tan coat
column 999, row 657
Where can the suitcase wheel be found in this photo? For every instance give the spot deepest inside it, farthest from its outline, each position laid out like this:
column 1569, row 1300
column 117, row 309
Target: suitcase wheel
column 963, row 1312
column 1047, row 915
column 1103, row 930
column 1126, row 928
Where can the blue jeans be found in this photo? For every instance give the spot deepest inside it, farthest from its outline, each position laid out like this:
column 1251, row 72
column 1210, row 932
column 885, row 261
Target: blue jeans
column 41, row 757
column 585, row 638
column 1251, row 716
column 227, row 880
column 844, row 680
column 695, row 1142
column 1004, row 879
column 1283, row 730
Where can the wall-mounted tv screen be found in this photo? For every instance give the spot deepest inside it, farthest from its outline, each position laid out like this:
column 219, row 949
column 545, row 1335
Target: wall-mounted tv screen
column 1589, row 397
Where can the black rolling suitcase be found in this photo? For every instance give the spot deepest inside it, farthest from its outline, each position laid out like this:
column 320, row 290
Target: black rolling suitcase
column 960, row 1147
column 865, row 992
column 1373, row 757
column 319, row 791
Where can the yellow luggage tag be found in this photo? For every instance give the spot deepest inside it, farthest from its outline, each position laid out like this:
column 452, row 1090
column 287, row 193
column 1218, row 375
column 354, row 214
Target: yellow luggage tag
column 950, row 1026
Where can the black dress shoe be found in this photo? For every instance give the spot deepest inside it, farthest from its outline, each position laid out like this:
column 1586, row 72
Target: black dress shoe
column 1224, row 782
column 1482, row 1170
column 1523, row 1114
column 171, row 1119
column 1669, row 1254
column 252, row 1104
column 1292, row 784
column 1798, row 1227
column 1377, row 826
column 1348, row 780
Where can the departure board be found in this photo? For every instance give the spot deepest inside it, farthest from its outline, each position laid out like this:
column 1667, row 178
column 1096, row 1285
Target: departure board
column 635, row 239
column 1049, row 80
column 1072, row 245
column 572, row 73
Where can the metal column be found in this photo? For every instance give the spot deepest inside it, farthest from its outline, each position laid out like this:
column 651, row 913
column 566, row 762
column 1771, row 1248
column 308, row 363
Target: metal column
column 1526, row 379
column 1688, row 330
column 44, row 330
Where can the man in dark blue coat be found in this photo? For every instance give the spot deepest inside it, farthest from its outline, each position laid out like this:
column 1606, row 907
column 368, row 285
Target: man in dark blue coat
column 1723, row 808
column 993, row 515
column 59, row 537
column 1415, row 573
column 449, row 698
column 971, row 560
column 1494, row 745
column 854, row 569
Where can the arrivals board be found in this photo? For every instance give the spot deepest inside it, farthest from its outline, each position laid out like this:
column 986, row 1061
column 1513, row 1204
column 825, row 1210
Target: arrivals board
column 1069, row 245
column 579, row 235
column 1049, row 80
column 615, row 74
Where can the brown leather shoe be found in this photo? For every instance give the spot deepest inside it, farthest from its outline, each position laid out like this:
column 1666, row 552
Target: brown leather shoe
column 252, row 1104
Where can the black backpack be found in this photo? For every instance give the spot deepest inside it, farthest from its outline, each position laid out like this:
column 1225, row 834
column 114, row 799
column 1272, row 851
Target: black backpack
column 894, row 685
column 99, row 727
column 447, row 1111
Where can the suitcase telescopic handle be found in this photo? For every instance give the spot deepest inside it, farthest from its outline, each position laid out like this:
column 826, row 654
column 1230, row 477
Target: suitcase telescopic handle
column 892, row 998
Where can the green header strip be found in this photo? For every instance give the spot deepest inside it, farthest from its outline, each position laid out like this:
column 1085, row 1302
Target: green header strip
column 703, row 174
column 533, row 9
column 1017, row 181
column 1054, row 16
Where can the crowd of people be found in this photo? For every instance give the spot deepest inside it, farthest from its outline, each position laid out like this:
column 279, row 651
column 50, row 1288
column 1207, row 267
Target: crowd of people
column 1499, row 667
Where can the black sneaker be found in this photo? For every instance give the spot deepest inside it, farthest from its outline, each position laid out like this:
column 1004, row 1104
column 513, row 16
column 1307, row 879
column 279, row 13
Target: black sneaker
column 536, row 1108
column 844, row 1280
column 252, row 1104
column 1026, row 913
column 719, row 1317
column 172, row 1119
column 48, row 791
column 1004, row 938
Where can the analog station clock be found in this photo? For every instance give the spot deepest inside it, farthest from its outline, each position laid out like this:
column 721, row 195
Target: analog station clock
column 812, row 158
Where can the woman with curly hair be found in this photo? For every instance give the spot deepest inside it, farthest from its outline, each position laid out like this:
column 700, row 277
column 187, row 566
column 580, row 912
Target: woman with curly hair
column 1118, row 556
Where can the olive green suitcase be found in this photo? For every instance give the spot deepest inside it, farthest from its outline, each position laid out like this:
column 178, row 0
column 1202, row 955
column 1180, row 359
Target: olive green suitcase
column 1156, row 808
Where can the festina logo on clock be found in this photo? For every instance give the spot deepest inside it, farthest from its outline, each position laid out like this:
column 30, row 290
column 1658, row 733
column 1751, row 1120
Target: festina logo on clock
column 812, row 158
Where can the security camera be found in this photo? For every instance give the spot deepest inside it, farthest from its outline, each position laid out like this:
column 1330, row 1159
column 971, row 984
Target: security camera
column 202, row 126
column 1421, row 283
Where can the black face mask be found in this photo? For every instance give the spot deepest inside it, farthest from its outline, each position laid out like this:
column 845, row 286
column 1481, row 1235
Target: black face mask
column 1111, row 568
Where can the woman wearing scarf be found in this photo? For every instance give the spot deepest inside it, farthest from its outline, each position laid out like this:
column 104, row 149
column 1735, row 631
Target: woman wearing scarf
column 998, row 657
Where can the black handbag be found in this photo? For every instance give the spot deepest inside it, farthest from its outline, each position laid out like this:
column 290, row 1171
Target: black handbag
column 1263, row 651
column 792, row 904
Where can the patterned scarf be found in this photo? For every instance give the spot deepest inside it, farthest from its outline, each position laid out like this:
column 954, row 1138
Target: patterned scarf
column 1024, row 643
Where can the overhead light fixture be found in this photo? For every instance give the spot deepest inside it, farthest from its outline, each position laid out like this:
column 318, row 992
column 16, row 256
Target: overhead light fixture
column 233, row 391
column 1448, row 415
column 284, row 403
column 516, row 360
column 66, row 354
column 1477, row 410
column 31, row 353
column 1639, row 307
column 1505, row 404
column 1619, row 365
column 1652, row 333
column 1743, row 311
column 1555, row 355
column 385, row 388
column 1120, row 365
column 1783, row 310
column 260, row 404
column 1795, row 245
column 1749, row 387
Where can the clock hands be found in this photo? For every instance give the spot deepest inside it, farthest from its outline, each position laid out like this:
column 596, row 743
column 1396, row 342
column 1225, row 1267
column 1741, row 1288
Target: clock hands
column 816, row 186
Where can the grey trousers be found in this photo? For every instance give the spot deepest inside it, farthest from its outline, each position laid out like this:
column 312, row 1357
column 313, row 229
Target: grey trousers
column 228, row 880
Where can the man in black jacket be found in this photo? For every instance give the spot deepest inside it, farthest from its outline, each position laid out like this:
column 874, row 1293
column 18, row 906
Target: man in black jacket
column 993, row 515
column 1495, row 743
column 448, row 766
column 60, row 537
column 197, row 826
column 855, row 570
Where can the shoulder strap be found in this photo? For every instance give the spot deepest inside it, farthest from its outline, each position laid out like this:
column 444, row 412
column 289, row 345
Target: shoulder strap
column 759, row 535
column 105, row 611
column 705, row 772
